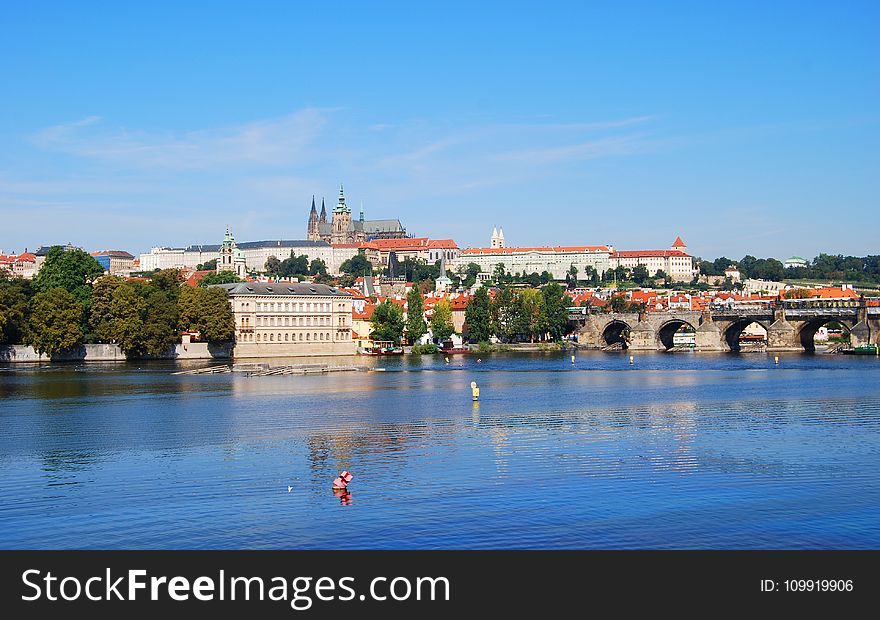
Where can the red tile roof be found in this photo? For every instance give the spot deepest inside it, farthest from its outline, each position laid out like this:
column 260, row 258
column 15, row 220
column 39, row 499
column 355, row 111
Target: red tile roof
column 648, row 253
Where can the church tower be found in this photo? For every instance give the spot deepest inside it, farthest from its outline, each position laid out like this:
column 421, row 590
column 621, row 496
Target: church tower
column 231, row 258
column 323, row 218
column 497, row 238
column 341, row 222
column 314, row 232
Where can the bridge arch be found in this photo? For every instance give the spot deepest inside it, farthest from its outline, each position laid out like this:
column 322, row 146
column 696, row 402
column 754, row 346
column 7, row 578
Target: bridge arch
column 616, row 332
column 666, row 332
column 734, row 331
column 808, row 330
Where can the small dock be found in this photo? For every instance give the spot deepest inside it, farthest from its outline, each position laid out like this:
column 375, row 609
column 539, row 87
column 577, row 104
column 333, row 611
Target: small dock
column 210, row 370
column 266, row 370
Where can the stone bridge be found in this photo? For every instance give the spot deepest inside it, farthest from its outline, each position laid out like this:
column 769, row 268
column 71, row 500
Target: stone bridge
column 790, row 326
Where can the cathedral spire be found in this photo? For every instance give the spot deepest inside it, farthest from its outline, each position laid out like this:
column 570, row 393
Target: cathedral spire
column 362, row 210
column 341, row 207
column 314, row 211
column 323, row 218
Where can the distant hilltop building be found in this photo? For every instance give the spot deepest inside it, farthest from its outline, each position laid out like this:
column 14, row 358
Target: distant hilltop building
column 676, row 263
column 115, row 262
column 556, row 260
column 497, row 238
column 342, row 229
column 796, row 261
column 254, row 254
column 22, row 265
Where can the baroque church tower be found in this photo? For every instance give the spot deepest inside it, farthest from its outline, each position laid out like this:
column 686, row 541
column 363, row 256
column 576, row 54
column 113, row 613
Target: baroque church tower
column 340, row 225
column 231, row 258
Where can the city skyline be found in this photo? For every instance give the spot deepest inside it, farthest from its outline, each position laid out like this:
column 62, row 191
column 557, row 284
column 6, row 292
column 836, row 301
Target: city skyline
column 743, row 136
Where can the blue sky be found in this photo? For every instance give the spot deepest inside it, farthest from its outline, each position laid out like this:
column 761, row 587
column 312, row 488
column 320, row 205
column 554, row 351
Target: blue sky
column 743, row 127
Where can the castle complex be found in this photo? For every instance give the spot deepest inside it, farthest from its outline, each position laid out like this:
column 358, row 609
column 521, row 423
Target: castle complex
column 341, row 229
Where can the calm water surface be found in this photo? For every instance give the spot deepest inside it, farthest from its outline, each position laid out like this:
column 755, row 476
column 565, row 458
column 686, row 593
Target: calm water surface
column 676, row 451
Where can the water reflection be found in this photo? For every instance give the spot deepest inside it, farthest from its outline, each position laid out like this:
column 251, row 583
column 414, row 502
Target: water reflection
column 662, row 455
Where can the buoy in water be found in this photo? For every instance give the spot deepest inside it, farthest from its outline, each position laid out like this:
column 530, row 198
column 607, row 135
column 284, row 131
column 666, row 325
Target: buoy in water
column 479, row 361
column 342, row 480
column 475, row 391
column 572, row 359
column 447, row 359
column 776, row 359
column 632, row 360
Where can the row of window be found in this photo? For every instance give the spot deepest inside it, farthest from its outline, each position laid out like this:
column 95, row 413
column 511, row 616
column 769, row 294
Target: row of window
column 287, row 321
column 288, row 306
column 315, row 337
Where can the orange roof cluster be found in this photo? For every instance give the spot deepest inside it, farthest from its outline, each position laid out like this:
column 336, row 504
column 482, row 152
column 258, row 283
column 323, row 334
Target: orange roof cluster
column 196, row 276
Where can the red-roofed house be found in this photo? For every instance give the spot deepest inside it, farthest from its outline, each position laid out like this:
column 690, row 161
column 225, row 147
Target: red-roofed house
column 676, row 263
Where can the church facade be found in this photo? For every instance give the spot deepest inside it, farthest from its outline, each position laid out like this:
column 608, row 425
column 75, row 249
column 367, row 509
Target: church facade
column 343, row 229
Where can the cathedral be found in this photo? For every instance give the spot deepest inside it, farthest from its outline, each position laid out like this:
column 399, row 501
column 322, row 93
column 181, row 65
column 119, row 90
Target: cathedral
column 343, row 229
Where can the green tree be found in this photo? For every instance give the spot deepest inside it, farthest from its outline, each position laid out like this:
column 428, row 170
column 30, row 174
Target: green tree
column 415, row 316
column 208, row 312
column 507, row 319
column 640, row 274
column 477, row 317
column 294, row 266
column 317, row 268
column 160, row 322
column 500, row 274
column 168, row 281
column 14, row 310
column 71, row 270
column 100, row 310
column 357, row 265
column 224, row 277
column 531, row 306
column 273, row 265
column 441, row 320
column 618, row 303
column 387, row 322
column 555, row 310
column 210, row 265
column 468, row 274
column 127, row 309
column 55, row 321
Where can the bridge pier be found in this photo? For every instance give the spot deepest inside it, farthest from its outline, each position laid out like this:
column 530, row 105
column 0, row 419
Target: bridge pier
column 782, row 336
column 643, row 337
column 709, row 337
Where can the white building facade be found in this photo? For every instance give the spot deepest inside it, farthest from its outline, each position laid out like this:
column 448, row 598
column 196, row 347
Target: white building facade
column 676, row 263
column 290, row 320
column 556, row 260
column 255, row 253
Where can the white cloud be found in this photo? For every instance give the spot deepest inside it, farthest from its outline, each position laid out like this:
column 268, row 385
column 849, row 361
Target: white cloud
column 271, row 142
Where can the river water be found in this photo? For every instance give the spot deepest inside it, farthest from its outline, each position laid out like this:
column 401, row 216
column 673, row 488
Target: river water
column 674, row 451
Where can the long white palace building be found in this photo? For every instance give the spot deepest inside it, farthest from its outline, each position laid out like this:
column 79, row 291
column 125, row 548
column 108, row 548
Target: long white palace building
column 256, row 253
column 675, row 262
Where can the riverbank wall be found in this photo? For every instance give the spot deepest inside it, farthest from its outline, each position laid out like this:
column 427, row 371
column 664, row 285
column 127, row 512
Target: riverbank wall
column 112, row 353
